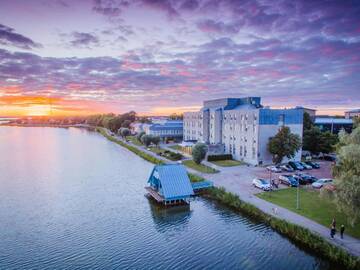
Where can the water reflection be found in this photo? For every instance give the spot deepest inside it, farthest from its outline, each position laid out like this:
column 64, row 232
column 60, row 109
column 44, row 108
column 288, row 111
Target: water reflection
column 169, row 218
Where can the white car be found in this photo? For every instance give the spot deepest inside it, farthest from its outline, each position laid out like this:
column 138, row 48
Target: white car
column 262, row 184
column 273, row 169
column 306, row 166
column 321, row 182
column 286, row 168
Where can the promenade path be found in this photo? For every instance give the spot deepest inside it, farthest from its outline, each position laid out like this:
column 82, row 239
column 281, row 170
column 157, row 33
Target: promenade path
column 238, row 179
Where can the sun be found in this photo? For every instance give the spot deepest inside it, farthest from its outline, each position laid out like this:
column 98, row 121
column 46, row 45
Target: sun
column 38, row 110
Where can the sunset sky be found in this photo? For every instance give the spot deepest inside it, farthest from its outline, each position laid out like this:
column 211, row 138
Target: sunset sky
column 156, row 57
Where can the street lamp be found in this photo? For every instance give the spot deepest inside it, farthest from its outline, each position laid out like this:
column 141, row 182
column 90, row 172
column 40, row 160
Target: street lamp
column 297, row 195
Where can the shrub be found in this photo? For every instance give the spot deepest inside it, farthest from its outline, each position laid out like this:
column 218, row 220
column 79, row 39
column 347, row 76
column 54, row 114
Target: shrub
column 139, row 135
column 219, row 157
column 146, row 139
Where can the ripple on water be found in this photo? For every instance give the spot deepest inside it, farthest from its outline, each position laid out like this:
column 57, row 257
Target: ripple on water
column 71, row 200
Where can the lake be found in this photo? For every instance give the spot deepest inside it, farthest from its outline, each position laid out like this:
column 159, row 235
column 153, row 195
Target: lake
column 70, row 199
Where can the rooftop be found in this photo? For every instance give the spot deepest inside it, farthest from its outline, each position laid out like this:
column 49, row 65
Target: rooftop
column 332, row 120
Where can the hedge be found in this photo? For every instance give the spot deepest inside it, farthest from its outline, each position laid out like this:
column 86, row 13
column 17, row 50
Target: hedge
column 219, row 157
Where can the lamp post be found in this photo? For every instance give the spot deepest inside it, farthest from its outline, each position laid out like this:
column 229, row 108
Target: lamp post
column 297, row 195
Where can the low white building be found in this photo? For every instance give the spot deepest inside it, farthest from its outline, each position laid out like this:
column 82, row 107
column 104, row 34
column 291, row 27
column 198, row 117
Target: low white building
column 165, row 129
column 352, row 113
column 242, row 126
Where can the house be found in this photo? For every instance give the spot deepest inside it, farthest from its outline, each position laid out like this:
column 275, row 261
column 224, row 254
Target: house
column 169, row 184
column 241, row 127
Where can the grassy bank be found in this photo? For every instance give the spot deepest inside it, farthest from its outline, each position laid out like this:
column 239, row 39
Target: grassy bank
column 133, row 149
column 134, row 140
column 147, row 157
column 199, row 167
column 227, row 163
column 312, row 206
column 295, row 233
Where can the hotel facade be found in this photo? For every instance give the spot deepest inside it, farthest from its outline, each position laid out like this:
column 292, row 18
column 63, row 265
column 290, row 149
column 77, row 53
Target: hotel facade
column 241, row 127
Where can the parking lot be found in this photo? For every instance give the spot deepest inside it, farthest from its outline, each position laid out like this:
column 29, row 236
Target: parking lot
column 239, row 178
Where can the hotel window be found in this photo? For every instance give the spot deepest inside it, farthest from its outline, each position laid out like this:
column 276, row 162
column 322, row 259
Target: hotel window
column 233, row 149
column 241, row 148
column 253, row 152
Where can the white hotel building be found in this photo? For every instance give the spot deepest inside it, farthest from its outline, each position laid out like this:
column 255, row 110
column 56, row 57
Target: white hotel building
column 241, row 127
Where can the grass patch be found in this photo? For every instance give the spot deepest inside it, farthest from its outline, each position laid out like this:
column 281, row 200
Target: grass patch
column 134, row 140
column 199, row 167
column 176, row 147
column 227, row 163
column 296, row 233
column 318, row 208
column 133, row 149
column 195, row 178
column 166, row 153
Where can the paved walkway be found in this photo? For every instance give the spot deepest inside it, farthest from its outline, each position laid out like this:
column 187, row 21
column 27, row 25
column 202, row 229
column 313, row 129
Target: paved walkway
column 237, row 180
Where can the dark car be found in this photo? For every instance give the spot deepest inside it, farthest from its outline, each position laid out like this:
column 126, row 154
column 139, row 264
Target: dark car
column 329, row 158
column 296, row 165
column 313, row 164
column 288, row 180
column 305, row 179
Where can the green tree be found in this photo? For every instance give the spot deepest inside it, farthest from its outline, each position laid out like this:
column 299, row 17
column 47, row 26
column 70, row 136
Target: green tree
column 125, row 132
column 311, row 139
column 356, row 121
column 146, row 139
column 155, row 140
column 316, row 141
column 347, row 175
column 199, row 152
column 139, row 135
column 283, row 144
column 126, row 123
column 307, row 122
column 328, row 142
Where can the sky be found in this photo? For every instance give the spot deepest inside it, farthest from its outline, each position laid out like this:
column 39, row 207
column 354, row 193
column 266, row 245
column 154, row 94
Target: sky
column 156, row 57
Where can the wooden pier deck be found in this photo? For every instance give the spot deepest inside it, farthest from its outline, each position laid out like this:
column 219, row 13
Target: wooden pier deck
column 153, row 193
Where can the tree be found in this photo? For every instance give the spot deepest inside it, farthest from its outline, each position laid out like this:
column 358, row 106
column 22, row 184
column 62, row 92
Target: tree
column 126, row 123
column 307, row 122
column 356, row 122
column 347, row 175
column 125, row 132
column 139, row 135
column 146, row 139
column 199, row 152
column 316, row 141
column 283, row 144
column 155, row 140
column 175, row 116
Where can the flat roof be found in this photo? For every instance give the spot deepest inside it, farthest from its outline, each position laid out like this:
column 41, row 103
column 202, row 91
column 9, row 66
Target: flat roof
column 332, row 120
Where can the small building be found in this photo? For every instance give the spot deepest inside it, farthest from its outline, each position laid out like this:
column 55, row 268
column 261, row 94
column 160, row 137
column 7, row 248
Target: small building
column 169, row 184
column 309, row 111
column 352, row 113
column 166, row 130
column 334, row 125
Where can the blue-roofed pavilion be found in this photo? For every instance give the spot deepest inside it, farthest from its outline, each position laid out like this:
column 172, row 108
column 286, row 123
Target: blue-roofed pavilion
column 170, row 184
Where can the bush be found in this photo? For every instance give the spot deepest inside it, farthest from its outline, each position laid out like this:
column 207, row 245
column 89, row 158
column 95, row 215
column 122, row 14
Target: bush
column 146, row 139
column 219, row 157
column 139, row 135
column 199, row 152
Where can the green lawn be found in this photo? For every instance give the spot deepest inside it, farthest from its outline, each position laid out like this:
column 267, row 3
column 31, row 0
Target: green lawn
column 227, row 163
column 319, row 209
column 176, row 147
column 199, row 167
column 134, row 140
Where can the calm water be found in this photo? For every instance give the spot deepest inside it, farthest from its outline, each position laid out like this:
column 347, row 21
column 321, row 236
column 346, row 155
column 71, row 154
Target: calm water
column 69, row 199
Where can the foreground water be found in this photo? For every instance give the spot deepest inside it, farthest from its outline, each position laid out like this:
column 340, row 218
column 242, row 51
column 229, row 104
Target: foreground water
column 69, row 199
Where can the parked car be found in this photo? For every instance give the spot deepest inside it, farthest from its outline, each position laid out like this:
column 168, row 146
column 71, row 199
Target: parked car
column 306, row 166
column 296, row 165
column 322, row 182
column 313, row 164
column 329, row 157
column 305, row 179
column 286, row 168
column 262, row 184
column 275, row 169
column 288, row 180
